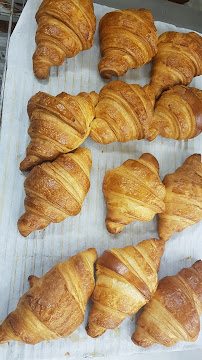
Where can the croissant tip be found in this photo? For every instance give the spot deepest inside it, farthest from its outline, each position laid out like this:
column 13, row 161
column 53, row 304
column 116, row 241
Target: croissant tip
column 114, row 228
column 24, row 233
column 151, row 159
column 164, row 237
column 142, row 343
column 107, row 74
column 3, row 337
column 40, row 71
column 23, row 225
column 29, row 162
column 93, row 252
column 92, row 333
column 94, row 97
column 198, row 266
column 24, row 166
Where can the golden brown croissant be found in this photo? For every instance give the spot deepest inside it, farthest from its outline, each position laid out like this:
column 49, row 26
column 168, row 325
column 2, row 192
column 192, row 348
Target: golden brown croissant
column 183, row 200
column 124, row 112
column 133, row 192
column 178, row 114
column 177, row 62
column 65, row 27
column 173, row 314
column 55, row 304
column 57, row 125
column 128, row 40
column 55, row 190
column 126, row 279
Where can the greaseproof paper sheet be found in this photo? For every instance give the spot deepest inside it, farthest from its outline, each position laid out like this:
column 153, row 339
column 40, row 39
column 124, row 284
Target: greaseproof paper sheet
column 37, row 253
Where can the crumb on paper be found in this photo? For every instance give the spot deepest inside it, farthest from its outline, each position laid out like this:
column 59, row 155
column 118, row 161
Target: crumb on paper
column 102, row 151
column 67, row 354
column 132, row 318
column 187, row 258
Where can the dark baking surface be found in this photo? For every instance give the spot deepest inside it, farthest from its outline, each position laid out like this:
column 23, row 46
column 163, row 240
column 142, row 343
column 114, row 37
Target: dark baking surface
column 162, row 10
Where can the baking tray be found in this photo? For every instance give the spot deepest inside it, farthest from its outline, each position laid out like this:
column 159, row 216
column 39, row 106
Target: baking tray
column 41, row 250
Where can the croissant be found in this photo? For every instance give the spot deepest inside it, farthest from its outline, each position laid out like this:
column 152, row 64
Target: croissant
column 124, row 112
column 133, row 192
column 126, row 279
column 55, row 304
column 128, row 40
column 57, row 125
column 65, row 27
column 178, row 114
column 177, row 62
column 183, row 200
column 55, row 190
column 173, row 314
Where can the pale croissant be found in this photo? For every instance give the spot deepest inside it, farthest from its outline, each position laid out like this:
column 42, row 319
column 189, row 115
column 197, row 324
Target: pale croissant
column 55, row 304
column 55, row 190
column 183, row 200
column 126, row 279
column 173, row 314
column 133, row 192
column 128, row 40
column 57, row 125
column 65, row 27
column 124, row 112
column 178, row 114
column 177, row 62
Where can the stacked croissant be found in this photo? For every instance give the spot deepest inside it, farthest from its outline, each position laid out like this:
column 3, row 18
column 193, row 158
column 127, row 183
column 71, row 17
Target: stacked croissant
column 59, row 178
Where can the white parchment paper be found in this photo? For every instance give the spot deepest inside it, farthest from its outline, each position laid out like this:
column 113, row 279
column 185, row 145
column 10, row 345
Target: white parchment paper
column 20, row 257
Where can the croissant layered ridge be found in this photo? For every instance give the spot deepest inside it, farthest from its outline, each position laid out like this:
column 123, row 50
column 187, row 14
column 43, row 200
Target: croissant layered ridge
column 128, row 40
column 55, row 304
column 183, row 199
column 178, row 114
column 126, row 279
column 124, row 112
column 55, row 190
column 65, row 27
column 58, row 124
column 177, row 62
column 133, row 192
column 173, row 314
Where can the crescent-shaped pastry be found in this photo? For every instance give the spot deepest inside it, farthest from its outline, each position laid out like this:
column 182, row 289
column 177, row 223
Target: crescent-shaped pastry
column 126, row 279
column 65, row 27
column 173, row 314
column 133, row 192
column 55, row 190
column 178, row 60
column 128, row 40
column 55, row 304
column 178, row 114
column 183, row 199
column 124, row 112
column 58, row 125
